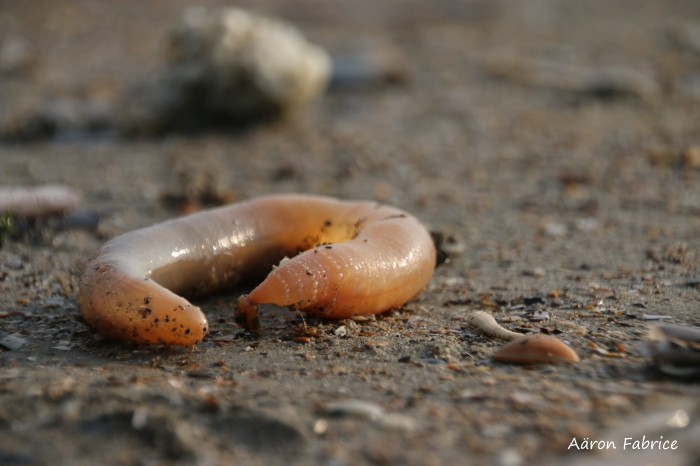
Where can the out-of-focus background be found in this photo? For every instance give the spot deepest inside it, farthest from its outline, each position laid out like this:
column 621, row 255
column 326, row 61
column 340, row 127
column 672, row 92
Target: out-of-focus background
column 557, row 143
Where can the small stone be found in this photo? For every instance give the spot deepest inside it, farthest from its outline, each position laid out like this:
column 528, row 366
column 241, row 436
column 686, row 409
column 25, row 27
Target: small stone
column 320, row 427
column 240, row 64
column 12, row 342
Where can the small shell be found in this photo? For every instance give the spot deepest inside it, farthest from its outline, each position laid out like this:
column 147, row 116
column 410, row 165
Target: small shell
column 487, row 324
column 675, row 349
column 535, row 349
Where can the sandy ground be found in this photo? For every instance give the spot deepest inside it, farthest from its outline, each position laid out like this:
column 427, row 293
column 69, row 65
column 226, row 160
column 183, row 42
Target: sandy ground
column 573, row 188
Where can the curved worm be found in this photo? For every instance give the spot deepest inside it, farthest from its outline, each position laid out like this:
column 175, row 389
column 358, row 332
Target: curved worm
column 348, row 258
column 487, row 324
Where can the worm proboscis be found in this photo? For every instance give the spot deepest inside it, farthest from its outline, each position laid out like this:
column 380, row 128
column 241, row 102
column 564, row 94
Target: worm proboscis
column 347, row 259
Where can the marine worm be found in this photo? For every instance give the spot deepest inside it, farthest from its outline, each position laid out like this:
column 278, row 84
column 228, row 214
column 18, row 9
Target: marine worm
column 487, row 324
column 347, row 259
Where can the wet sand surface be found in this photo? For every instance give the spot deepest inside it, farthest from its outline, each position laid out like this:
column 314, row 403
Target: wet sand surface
column 559, row 143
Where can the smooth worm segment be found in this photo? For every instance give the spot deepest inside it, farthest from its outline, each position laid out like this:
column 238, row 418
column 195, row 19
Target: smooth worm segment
column 487, row 324
column 347, row 259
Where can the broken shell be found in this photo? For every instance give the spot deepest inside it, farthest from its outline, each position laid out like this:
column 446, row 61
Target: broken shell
column 487, row 324
column 534, row 349
column 675, row 349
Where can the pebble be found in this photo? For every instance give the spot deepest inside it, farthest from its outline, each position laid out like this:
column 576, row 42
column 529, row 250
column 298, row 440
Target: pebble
column 320, row 427
column 247, row 64
column 12, row 342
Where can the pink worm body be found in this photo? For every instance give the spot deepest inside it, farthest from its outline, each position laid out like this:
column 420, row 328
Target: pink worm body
column 348, row 258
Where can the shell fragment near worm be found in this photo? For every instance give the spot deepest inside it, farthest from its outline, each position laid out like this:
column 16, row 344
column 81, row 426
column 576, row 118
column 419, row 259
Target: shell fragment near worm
column 523, row 349
column 488, row 325
column 374, row 258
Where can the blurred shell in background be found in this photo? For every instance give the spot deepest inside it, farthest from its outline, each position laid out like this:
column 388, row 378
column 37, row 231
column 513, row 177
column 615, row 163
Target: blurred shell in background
column 674, row 349
column 234, row 63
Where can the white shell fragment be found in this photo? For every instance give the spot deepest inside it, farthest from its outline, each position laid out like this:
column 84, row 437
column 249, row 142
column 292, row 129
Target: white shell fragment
column 355, row 408
column 12, row 342
column 674, row 349
column 487, row 324
column 37, row 201
column 365, row 410
column 237, row 63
